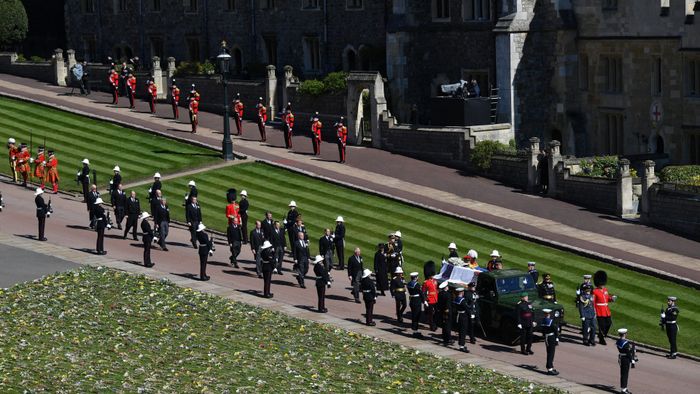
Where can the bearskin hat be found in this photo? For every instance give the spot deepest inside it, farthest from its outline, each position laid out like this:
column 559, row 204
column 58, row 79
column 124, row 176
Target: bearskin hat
column 429, row 269
column 231, row 195
column 600, row 278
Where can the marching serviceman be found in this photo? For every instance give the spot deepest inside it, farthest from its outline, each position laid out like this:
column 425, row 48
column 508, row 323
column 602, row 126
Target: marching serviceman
column 369, row 295
column 131, row 90
column 119, row 204
column 443, row 313
column 586, row 310
column 586, row 282
column 193, row 216
column 234, row 237
column 40, row 167
column 154, row 188
column 289, row 222
column 133, row 208
column 601, row 299
column 339, row 239
column 316, row 128
column 267, row 257
column 546, row 289
column 381, row 269
column 355, row 269
column 322, row 280
column 23, row 160
column 13, row 151
column 430, row 290
column 192, row 192
column 232, row 207
column 147, row 239
column 243, row 206
column 175, row 100
column 52, row 172
column 262, row 118
column 84, row 178
column 42, row 212
column 415, row 302
column 206, row 249
column 194, row 113
column 627, row 357
column 301, row 255
column 669, row 321
column 113, row 81
column 238, row 113
column 193, row 95
column 100, row 225
column 472, row 311
column 550, row 330
column 342, row 133
column 152, row 95
column 114, row 182
column 533, row 271
column 461, row 307
column 397, row 288
column 526, row 322
column 288, row 119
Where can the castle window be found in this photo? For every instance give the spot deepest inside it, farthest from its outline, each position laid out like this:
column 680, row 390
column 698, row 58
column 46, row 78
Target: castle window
column 271, row 49
column 230, row 5
column 609, row 5
column 191, row 6
column 157, row 47
column 267, row 4
column 441, row 10
column 309, row 5
column 155, row 5
column 476, row 10
column 694, row 148
column 399, row 6
column 692, row 79
column 612, row 133
column 656, row 79
column 88, row 6
column 612, row 73
column 583, row 72
column 353, row 4
column 192, row 48
column 312, row 54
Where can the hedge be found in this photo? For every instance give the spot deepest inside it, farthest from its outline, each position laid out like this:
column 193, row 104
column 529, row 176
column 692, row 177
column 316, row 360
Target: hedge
column 684, row 175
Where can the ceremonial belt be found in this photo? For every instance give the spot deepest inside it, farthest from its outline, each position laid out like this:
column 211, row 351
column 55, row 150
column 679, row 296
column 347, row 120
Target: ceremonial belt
column 605, row 304
column 460, row 312
column 400, row 290
column 548, row 297
column 549, row 335
column 671, row 322
column 366, row 291
column 415, row 295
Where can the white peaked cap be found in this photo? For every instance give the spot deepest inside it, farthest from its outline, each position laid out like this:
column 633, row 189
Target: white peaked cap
column 144, row 215
column 495, row 253
column 38, row 191
column 116, row 168
column 472, row 253
column 266, row 245
column 622, row 331
column 399, row 270
column 398, row 233
column 318, row 259
column 86, row 161
column 244, row 193
column 444, row 284
column 191, row 183
column 156, row 175
column 366, row 273
column 98, row 201
column 339, row 219
column 452, row 245
column 201, row 227
column 414, row 273
column 292, row 203
column 10, row 140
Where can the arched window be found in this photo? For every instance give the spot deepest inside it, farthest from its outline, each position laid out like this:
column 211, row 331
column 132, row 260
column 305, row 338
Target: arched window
column 365, row 58
column 349, row 59
column 659, row 144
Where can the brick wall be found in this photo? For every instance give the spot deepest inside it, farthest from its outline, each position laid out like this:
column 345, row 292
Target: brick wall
column 596, row 193
column 41, row 71
column 510, row 170
column 675, row 210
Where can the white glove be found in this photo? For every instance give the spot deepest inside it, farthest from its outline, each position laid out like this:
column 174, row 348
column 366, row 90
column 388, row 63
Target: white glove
column 583, row 319
column 663, row 315
column 534, row 324
column 520, row 326
column 614, row 298
column 472, row 316
column 48, row 214
column 31, row 160
column 211, row 253
column 284, row 221
column 78, row 173
column 149, row 189
column 557, row 339
column 555, row 302
column 111, row 182
column 426, row 304
column 109, row 227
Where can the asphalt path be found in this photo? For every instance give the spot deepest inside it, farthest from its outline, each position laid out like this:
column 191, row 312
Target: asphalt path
column 68, row 226
column 18, row 265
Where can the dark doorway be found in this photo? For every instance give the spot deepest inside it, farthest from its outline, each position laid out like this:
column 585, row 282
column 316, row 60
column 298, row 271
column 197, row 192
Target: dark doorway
column 659, row 144
column 237, row 61
column 352, row 60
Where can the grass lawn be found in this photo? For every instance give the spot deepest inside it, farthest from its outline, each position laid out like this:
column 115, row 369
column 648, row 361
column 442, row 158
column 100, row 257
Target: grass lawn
column 101, row 330
column 426, row 235
column 75, row 137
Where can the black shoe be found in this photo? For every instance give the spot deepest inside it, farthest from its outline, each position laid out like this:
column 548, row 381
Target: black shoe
column 324, row 310
column 279, row 272
column 602, row 341
column 400, row 319
column 592, row 343
column 269, row 295
column 371, row 324
column 165, row 249
column 43, row 239
column 523, row 352
column 303, row 286
column 124, row 237
column 553, row 372
column 259, row 276
column 586, row 344
column 464, row 349
column 472, row 341
column 194, row 246
column 530, row 352
column 671, row 356
column 135, row 239
column 149, row 265
column 119, row 227
column 205, row 278
column 357, row 301
column 417, row 335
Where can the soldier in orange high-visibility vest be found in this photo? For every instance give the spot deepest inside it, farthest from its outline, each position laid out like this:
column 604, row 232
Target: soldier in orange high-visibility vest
column 262, row 118
column 316, row 127
column 23, row 159
column 152, row 95
column 175, row 93
column 113, row 81
column 52, row 171
column 238, row 113
column 342, row 134
column 194, row 113
column 131, row 89
column 288, row 118
column 40, row 166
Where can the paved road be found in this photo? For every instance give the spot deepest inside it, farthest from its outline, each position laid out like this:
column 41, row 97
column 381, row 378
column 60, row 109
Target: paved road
column 18, row 265
column 68, row 227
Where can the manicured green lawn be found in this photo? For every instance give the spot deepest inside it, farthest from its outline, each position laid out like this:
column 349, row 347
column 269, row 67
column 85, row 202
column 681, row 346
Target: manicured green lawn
column 426, row 235
column 101, row 330
column 75, row 137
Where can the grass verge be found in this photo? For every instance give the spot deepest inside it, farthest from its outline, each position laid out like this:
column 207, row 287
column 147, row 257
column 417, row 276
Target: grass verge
column 426, row 235
column 102, row 330
column 76, row 137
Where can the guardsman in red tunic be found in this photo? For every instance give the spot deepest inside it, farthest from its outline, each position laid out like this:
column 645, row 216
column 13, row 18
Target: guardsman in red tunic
column 601, row 299
column 152, row 95
column 12, row 152
column 131, row 88
column 262, row 118
column 113, row 81
column 194, row 111
column 232, row 209
column 175, row 93
column 342, row 134
column 430, row 291
column 40, row 166
column 52, row 171
column 288, row 119
column 194, row 95
column 238, row 113
column 316, row 127
column 23, row 159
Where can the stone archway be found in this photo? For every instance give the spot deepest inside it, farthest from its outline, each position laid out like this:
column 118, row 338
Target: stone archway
column 357, row 83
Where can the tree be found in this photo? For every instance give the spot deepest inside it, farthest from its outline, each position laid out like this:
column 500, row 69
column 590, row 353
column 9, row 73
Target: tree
column 13, row 23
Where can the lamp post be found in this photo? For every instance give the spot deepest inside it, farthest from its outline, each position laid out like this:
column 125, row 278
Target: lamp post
column 224, row 60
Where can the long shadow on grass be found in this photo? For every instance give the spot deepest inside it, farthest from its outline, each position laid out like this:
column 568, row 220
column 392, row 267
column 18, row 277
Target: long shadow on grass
column 172, row 152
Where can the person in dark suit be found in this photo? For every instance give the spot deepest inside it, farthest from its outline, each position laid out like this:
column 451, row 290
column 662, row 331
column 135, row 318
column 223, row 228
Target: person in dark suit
column 147, row 239
column 301, row 258
column 322, row 280
column 235, row 239
column 279, row 243
column 256, row 240
column 369, row 295
column 192, row 193
column 339, row 239
column 300, row 228
column 243, row 206
column 268, row 224
column 193, row 216
column 162, row 219
column 100, row 225
column 92, row 195
column 206, row 249
column 355, row 268
column 113, row 183
column 289, row 223
column 133, row 209
column 84, row 179
column 156, row 186
column 155, row 203
column 267, row 256
column 42, row 212
column 119, row 205
column 325, row 249
column 381, row 269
